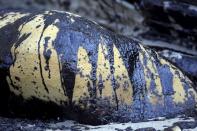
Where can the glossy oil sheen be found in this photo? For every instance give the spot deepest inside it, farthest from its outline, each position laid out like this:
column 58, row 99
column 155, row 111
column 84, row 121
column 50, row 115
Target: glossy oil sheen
column 59, row 63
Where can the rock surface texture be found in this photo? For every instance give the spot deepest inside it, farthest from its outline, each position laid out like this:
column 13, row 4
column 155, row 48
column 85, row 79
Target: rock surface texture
column 56, row 63
column 173, row 21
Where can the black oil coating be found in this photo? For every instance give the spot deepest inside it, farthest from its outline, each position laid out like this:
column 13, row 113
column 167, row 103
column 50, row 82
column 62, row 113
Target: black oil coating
column 8, row 36
column 47, row 55
column 86, row 34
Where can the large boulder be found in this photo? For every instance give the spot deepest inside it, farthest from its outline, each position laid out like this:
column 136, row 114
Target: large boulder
column 59, row 64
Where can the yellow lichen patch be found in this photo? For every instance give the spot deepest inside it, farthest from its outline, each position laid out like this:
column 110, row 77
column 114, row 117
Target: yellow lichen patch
column 82, row 79
column 152, row 75
column 179, row 95
column 103, row 72
column 10, row 18
column 28, row 71
column 124, row 91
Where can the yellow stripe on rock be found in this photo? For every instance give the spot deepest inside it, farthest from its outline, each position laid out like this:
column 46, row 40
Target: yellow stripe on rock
column 82, row 78
column 26, row 67
column 150, row 66
column 124, row 91
column 103, row 71
column 179, row 95
column 10, row 18
column 54, row 82
column 27, row 59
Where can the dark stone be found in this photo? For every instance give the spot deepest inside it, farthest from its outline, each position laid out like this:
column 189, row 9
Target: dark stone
column 146, row 129
column 186, row 125
column 171, row 21
column 101, row 109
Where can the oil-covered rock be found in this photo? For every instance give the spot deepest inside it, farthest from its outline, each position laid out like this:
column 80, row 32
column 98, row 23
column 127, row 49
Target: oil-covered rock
column 60, row 64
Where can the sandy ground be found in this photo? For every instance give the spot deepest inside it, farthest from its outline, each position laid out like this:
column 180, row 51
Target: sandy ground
column 176, row 124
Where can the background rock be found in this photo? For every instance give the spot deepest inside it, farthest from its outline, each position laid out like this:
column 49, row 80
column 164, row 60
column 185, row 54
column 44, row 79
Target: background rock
column 171, row 21
column 162, row 24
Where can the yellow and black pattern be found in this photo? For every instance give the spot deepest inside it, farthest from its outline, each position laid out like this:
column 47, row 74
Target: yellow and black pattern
column 61, row 58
